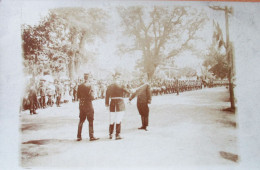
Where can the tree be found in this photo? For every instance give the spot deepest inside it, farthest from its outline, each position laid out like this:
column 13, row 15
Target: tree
column 229, row 54
column 188, row 72
column 84, row 26
column 79, row 26
column 33, row 45
column 62, row 36
column 159, row 33
column 216, row 58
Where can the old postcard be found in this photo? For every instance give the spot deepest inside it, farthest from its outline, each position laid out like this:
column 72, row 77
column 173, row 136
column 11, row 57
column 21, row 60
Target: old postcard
column 129, row 85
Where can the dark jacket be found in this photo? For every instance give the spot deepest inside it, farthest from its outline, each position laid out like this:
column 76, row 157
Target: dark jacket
column 143, row 94
column 115, row 91
column 85, row 95
column 32, row 95
column 42, row 91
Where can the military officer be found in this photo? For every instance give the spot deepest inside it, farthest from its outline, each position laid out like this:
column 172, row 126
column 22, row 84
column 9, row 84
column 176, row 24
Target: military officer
column 144, row 98
column 115, row 104
column 85, row 96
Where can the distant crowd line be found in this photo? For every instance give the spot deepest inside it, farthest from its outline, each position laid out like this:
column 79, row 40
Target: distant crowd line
column 46, row 94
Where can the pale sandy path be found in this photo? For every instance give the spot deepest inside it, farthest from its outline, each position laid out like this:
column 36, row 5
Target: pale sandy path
column 185, row 131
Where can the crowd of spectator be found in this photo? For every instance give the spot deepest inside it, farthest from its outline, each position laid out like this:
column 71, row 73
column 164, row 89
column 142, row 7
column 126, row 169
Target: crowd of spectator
column 42, row 94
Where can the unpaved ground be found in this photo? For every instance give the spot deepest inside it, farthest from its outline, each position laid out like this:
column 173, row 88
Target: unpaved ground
column 186, row 130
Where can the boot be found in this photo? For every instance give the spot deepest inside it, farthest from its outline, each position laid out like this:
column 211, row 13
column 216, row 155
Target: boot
column 145, row 123
column 93, row 138
column 142, row 127
column 118, row 130
column 91, row 131
column 79, row 131
column 111, row 129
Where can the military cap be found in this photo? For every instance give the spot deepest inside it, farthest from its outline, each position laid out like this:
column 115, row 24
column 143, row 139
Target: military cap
column 86, row 76
column 116, row 75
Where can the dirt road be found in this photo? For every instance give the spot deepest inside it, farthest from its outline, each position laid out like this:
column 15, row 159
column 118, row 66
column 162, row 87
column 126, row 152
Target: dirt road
column 186, row 130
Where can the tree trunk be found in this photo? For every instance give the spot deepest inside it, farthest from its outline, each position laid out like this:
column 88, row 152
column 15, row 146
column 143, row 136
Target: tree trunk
column 81, row 51
column 71, row 67
column 76, row 63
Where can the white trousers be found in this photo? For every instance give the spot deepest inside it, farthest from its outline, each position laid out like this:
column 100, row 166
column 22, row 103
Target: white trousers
column 116, row 117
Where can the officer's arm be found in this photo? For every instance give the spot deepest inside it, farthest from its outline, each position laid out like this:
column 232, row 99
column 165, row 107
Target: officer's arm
column 126, row 91
column 133, row 95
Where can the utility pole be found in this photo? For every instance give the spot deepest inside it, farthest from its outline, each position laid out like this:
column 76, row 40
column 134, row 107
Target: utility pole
column 228, row 53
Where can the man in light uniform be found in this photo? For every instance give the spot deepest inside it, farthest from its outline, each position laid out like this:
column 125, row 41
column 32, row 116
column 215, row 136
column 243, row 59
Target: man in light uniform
column 115, row 103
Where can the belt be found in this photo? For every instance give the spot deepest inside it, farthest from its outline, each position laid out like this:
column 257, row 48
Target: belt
column 116, row 97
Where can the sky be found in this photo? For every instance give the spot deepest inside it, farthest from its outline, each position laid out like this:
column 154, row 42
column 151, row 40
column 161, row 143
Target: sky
column 107, row 57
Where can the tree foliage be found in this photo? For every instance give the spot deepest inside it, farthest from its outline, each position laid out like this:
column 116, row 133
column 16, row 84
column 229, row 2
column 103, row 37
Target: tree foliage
column 61, row 36
column 160, row 33
column 187, row 72
column 216, row 59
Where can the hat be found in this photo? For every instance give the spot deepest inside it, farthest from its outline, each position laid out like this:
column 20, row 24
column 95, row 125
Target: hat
column 86, row 75
column 116, row 75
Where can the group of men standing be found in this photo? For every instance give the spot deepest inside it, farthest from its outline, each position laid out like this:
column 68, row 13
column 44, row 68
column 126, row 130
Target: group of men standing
column 114, row 102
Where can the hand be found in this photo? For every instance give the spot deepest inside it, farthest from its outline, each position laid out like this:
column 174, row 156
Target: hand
column 129, row 102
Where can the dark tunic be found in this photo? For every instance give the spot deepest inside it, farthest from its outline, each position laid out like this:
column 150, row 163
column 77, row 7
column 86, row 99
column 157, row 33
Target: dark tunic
column 144, row 98
column 115, row 93
column 85, row 94
column 33, row 100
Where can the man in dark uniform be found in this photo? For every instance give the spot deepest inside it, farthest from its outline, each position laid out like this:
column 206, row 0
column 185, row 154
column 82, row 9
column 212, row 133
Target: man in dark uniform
column 58, row 92
column 116, row 106
column 144, row 98
column 85, row 96
column 33, row 99
column 177, row 88
column 42, row 92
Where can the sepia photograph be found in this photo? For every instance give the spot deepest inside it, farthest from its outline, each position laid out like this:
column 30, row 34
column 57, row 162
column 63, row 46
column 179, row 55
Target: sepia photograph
column 130, row 85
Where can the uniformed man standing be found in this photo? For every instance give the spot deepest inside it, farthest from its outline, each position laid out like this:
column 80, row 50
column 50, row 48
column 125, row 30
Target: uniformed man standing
column 33, row 99
column 177, row 88
column 116, row 105
column 58, row 92
column 42, row 92
column 85, row 96
column 144, row 98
